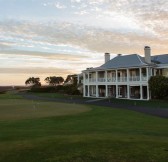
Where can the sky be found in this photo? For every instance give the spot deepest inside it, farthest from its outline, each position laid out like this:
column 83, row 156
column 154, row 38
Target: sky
column 41, row 38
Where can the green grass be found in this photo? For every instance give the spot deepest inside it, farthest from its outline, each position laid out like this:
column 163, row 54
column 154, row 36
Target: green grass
column 79, row 134
column 150, row 103
column 55, row 95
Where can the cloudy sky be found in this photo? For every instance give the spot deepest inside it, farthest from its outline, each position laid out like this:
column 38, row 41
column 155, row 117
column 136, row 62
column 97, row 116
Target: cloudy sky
column 43, row 38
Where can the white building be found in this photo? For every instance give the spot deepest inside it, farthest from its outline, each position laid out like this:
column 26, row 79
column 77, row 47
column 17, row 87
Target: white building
column 125, row 76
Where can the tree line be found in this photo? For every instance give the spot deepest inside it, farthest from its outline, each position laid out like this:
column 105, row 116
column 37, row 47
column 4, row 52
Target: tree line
column 52, row 80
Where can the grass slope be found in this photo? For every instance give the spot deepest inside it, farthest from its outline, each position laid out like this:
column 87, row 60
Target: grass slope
column 101, row 134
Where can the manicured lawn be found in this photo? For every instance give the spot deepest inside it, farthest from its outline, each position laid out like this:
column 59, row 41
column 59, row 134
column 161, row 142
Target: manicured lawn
column 78, row 133
column 150, row 103
column 55, row 95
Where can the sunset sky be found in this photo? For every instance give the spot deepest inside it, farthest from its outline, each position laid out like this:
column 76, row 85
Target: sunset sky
column 43, row 38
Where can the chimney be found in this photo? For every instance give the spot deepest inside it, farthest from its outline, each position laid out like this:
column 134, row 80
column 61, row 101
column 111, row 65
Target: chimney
column 147, row 51
column 107, row 57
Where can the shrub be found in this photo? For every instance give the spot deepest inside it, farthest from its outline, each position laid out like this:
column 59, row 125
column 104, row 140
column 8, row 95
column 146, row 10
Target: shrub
column 158, row 86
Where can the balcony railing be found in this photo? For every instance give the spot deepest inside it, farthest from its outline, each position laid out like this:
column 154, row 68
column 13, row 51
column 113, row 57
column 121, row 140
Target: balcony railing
column 122, row 79
column 134, row 78
column 101, row 79
column 111, row 79
column 92, row 80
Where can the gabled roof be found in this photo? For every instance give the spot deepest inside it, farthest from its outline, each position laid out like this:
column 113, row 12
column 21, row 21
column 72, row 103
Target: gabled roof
column 124, row 61
column 160, row 59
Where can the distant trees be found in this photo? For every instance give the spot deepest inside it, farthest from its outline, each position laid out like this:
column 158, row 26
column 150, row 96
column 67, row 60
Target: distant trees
column 35, row 82
column 158, row 86
column 54, row 81
column 71, row 79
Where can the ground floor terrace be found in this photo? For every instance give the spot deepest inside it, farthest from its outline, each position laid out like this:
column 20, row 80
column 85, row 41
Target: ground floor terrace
column 140, row 92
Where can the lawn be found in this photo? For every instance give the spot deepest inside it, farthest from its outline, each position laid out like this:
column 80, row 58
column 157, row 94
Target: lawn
column 60, row 132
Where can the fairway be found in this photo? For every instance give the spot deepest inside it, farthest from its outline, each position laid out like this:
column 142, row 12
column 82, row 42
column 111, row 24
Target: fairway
column 24, row 109
column 37, row 131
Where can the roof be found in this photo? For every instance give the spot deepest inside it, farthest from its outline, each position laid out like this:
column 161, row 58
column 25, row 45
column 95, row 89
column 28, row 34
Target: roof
column 133, row 60
column 160, row 59
column 124, row 61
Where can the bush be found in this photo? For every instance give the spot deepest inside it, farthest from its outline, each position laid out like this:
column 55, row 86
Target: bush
column 68, row 89
column 158, row 86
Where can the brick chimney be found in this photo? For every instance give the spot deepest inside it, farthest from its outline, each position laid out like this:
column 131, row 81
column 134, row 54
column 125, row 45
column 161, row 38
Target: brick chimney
column 107, row 57
column 147, row 51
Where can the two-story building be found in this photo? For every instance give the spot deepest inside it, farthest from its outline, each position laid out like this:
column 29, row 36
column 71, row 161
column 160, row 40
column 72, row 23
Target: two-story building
column 124, row 76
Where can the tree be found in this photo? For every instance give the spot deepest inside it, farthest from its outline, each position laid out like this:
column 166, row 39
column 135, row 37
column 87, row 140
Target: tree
column 72, row 79
column 33, row 81
column 54, row 81
column 158, row 86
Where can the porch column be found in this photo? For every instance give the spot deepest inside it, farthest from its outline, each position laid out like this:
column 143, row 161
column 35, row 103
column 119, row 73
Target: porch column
column 88, row 78
column 128, row 91
column 84, row 78
column 96, row 76
column 105, row 76
column 116, row 91
column 154, row 72
column 97, row 91
column 106, row 90
column 78, row 79
column 147, row 74
column 141, row 94
column 88, row 91
column 127, row 75
column 140, row 74
column 84, row 90
column 116, row 76
column 148, row 93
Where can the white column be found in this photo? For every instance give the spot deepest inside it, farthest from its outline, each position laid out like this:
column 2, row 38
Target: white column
column 148, row 93
column 88, row 91
column 116, row 91
column 140, row 74
column 141, row 95
column 128, row 91
column 106, row 90
column 154, row 72
column 96, row 76
column 84, row 90
column 88, row 78
column 78, row 79
column 105, row 76
column 147, row 74
column 84, row 78
column 97, row 92
column 127, row 75
column 116, row 76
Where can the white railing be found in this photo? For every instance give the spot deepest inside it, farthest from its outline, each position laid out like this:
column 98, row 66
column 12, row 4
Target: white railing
column 111, row 79
column 122, row 79
column 101, row 79
column 144, row 78
column 134, row 78
column 92, row 80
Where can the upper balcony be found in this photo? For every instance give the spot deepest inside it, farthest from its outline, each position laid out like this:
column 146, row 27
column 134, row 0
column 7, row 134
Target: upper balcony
column 119, row 79
column 117, row 76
